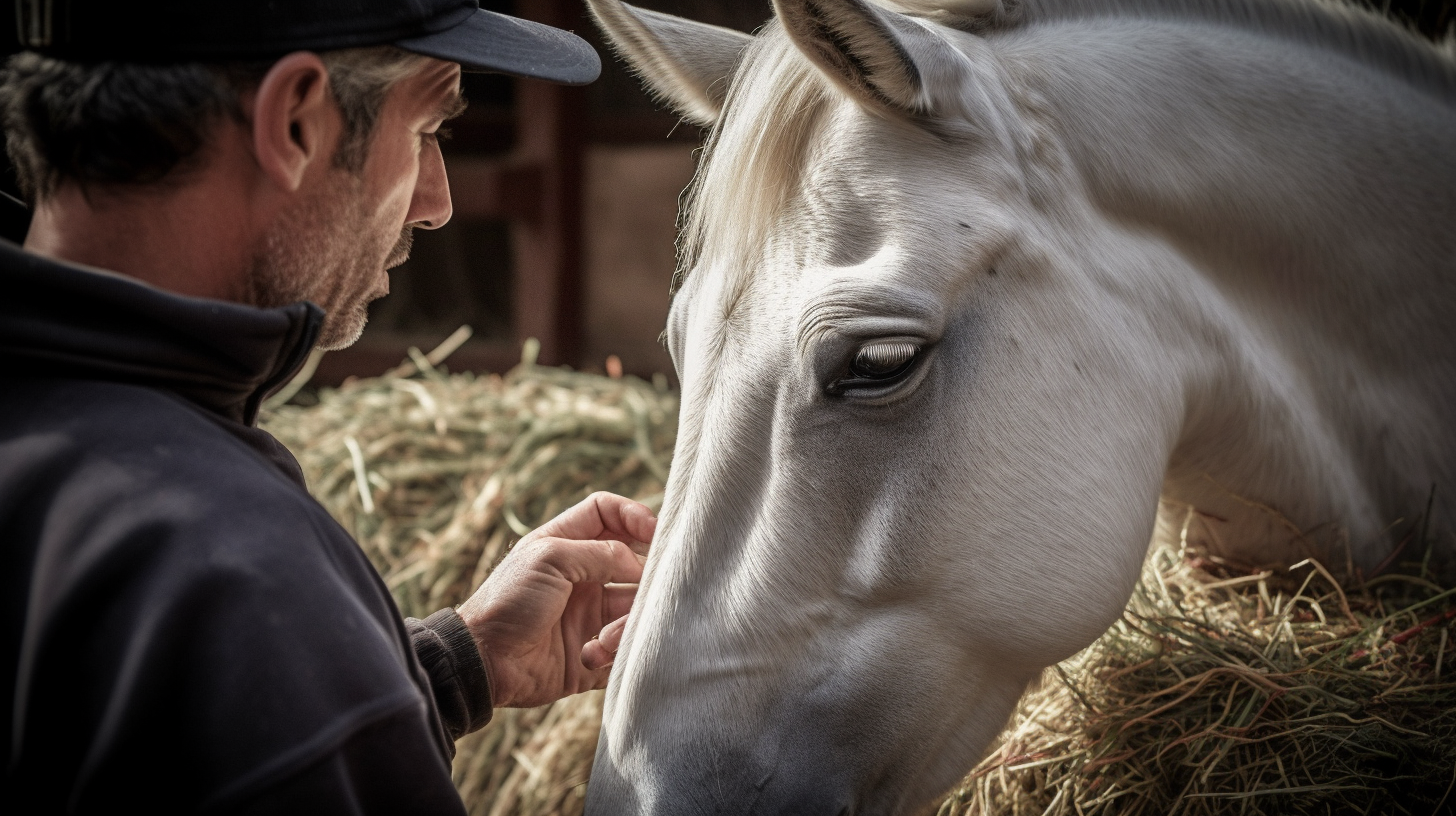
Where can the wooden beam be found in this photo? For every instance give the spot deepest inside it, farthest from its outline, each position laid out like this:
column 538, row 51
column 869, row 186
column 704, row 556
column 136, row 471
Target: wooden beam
column 551, row 124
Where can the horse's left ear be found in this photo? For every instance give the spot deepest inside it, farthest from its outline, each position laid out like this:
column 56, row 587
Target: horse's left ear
column 880, row 56
column 689, row 64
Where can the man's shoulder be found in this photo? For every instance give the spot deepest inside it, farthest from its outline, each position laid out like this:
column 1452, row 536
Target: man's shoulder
column 183, row 591
column 98, row 467
column 128, row 441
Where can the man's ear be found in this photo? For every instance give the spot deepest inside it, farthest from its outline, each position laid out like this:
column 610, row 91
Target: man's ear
column 295, row 122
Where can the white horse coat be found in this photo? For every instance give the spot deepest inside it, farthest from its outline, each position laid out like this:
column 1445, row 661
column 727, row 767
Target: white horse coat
column 967, row 291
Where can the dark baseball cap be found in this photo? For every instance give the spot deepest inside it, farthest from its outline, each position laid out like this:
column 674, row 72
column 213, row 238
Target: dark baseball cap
column 170, row 31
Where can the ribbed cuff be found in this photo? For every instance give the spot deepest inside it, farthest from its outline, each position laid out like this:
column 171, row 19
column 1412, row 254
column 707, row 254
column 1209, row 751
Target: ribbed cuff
column 457, row 673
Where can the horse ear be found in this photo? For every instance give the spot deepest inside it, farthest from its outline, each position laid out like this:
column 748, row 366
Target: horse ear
column 878, row 55
column 686, row 63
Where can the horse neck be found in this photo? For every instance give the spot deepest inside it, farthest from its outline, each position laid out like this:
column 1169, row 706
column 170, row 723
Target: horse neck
column 1255, row 154
column 1308, row 200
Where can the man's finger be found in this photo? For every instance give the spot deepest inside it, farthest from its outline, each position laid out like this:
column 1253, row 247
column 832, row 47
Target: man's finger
column 595, row 656
column 611, row 636
column 601, row 651
column 617, row 600
column 580, row 562
column 603, row 515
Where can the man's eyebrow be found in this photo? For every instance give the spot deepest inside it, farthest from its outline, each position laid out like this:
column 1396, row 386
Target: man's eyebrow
column 452, row 107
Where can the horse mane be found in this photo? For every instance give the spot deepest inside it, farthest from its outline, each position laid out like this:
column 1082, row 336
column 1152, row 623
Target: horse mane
column 753, row 159
column 1340, row 25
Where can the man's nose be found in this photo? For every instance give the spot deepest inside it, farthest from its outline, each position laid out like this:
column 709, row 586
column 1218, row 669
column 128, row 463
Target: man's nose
column 430, row 208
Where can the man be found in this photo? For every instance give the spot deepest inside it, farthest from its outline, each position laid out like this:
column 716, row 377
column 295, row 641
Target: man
column 184, row 629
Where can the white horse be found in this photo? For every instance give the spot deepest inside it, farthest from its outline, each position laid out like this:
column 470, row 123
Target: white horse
column 967, row 290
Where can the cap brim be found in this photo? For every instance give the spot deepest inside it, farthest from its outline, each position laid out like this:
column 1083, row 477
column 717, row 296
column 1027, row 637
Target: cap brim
column 487, row 41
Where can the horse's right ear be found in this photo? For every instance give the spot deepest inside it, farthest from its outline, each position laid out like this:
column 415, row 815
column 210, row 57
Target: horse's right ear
column 885, row 59
column 687, row 63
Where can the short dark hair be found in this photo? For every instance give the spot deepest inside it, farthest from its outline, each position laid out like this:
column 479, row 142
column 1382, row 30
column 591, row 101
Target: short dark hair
column 124, row 124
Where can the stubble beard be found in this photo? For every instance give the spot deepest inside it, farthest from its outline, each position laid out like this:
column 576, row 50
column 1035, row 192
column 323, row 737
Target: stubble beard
column 330, row 254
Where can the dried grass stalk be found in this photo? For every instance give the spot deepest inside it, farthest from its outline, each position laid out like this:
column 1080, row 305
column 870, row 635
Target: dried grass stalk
column 1220, row 691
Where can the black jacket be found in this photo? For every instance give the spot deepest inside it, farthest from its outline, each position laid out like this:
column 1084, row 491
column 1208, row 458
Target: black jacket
column 184, row 629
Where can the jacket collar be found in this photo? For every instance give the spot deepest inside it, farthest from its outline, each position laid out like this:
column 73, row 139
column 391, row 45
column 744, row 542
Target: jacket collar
column 65, row 321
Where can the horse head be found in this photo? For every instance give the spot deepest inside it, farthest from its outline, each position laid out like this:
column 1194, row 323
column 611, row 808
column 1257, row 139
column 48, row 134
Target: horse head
column 928, row 404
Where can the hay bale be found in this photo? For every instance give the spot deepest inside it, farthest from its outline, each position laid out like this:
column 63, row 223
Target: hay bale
column 1220, row 691
column 436, row 475
column 1229, row 690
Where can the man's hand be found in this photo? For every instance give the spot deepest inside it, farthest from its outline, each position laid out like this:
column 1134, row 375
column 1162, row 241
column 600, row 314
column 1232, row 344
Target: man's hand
column 549, row 620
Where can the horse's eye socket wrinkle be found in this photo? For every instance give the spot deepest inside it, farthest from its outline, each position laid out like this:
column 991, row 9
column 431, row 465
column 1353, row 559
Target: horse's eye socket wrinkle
column 878, row 365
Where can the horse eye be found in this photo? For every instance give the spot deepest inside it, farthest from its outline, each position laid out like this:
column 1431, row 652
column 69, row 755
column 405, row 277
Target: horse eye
column 883, row 361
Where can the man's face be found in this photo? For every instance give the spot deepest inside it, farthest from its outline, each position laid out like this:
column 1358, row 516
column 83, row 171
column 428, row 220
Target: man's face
column 336, row 246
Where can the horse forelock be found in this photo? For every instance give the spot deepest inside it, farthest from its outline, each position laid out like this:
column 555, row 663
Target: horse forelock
column 754, row 158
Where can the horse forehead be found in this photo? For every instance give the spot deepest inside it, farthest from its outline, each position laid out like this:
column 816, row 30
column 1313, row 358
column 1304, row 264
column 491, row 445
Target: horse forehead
column 856, row 152
column 851, row 209
column 869, row 183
